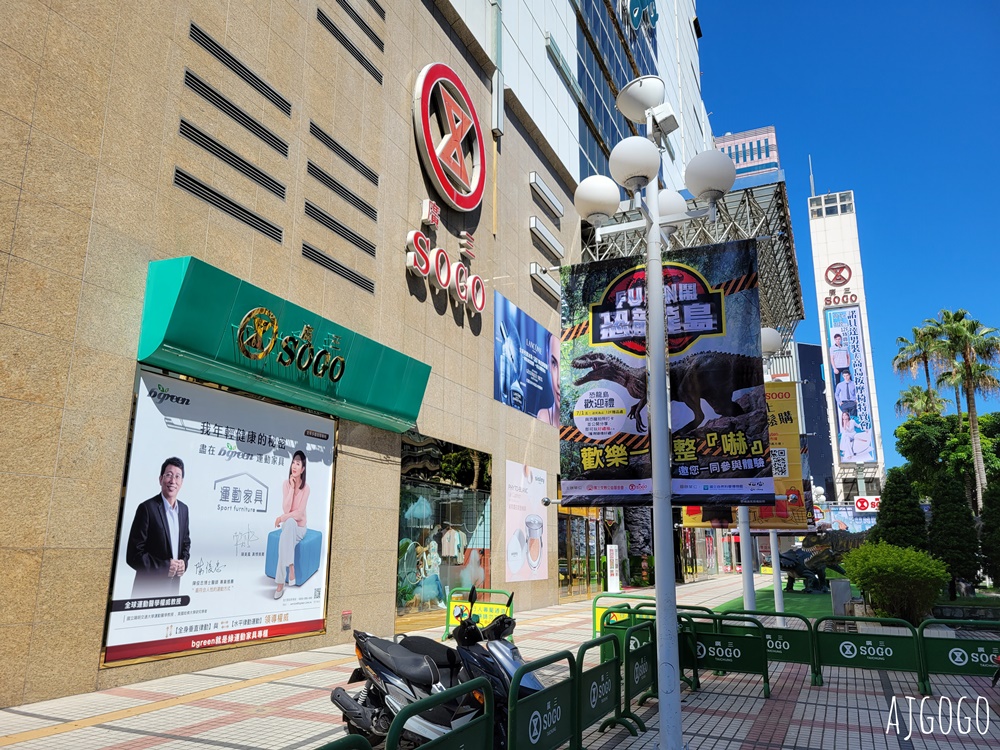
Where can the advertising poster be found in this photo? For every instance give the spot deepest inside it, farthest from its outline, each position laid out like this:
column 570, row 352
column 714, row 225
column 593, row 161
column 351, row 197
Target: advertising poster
column 842, row 518
column 202, row 538
column 527, row 558
column 719, row 437
column 851, row 393
column 525, row 362
column 790, row 513
column 604, row 440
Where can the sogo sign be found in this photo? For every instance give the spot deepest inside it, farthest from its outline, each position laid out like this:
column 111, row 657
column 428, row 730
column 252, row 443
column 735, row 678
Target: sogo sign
column 460, row 184
column 867, row 504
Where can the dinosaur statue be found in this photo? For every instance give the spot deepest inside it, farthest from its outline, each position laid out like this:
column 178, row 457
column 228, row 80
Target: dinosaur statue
column 820, row 550
column 606, row 367
column 715, row 377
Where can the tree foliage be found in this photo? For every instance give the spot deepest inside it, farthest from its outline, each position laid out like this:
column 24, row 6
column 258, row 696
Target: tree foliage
column 899, row 581
column 901, row 521
column 990, row 535
column 951, row 534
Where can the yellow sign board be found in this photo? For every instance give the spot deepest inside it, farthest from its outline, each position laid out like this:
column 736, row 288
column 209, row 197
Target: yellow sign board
column 458, row 610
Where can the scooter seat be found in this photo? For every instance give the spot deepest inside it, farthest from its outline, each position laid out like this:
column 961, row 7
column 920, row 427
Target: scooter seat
column 448, row 662
column 409, row 666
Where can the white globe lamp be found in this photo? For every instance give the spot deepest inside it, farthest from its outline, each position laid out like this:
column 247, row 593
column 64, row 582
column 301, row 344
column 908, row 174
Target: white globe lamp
column 673, row 208
column 770, row 342
column 634, row 163
column 597, row 199
column 710, row 175
column 639, row 95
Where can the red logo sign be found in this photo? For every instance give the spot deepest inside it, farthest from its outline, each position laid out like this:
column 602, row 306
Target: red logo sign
column 838, row 274
column 449, row 137
column 867, row 504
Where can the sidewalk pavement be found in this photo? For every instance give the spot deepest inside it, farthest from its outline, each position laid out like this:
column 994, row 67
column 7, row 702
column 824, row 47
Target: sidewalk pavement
column 284, row 703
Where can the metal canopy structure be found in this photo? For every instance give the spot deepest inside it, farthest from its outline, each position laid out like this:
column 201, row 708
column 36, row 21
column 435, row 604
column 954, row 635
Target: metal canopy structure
column 748, row 211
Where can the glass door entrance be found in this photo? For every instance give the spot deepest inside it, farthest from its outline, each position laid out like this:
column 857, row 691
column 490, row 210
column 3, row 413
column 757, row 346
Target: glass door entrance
column 581, row 573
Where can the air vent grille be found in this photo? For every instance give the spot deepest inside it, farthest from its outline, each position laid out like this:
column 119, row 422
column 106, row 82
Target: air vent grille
column 310, row 252
column 362, row 24
column 348, row 45
column 378, row 8
column 225, row 106
column 237, row 162
column 359, row 203
column 213, row 197
column 315, row 212
column 363, row 169
column 227, row 59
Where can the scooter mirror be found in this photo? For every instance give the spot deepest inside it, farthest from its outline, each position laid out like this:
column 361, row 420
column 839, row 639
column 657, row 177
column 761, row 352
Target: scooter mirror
column 472, row 598
column 510, row 599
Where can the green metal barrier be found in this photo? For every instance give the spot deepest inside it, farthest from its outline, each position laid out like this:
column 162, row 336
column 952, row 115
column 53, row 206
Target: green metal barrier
column 486, row 611
column 616, row 621
column 868, row 650
column 694, row 608
column 600, row 687
column 737, row 651
column 597, row 615
column 640, row 668
column 477, row 733
column 350, row 742
column 784, row 644
column 546, row 719
column 687, row 647
column 961, row 656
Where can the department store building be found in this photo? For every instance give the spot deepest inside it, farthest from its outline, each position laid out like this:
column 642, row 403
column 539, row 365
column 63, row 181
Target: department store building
column 311, row 250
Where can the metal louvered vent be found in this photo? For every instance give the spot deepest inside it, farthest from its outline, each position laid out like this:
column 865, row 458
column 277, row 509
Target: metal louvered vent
column 362, row 24
column 315, row 212
column 227, row 59
column 363, row 169
column 355, row 200
column 225, row 106
column 348, row 45
column 310, row 252
column 213, row 197
column 237, row 162
column 378, row 8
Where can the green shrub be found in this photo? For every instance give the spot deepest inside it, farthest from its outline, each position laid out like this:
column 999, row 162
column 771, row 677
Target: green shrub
column 899, row 582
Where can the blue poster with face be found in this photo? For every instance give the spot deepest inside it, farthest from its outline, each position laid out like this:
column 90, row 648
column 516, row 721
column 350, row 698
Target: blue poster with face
column 525, row 362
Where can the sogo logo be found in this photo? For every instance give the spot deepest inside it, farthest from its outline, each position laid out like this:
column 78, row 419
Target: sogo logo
column 453, row 152
column 439, row 87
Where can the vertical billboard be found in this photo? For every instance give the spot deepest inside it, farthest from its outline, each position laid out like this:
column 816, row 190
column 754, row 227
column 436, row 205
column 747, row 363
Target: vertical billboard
column 851, row 376
column 227, row 498
column 527, row 556
column 719, row 436
column 525, row 362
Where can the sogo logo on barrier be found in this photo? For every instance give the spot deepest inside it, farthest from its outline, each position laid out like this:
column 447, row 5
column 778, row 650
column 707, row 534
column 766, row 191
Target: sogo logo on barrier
column 848, row 650
column 600, row 691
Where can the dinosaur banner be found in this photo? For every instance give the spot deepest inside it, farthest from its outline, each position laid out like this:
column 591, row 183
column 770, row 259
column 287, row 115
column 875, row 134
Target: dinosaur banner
column 790, row 513
column 720, row 455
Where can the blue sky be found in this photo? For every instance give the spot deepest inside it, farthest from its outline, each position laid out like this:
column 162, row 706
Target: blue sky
column 898, row 102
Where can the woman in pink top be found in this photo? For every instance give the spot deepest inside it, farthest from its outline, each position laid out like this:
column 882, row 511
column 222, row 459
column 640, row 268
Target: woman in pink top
column 292, row 522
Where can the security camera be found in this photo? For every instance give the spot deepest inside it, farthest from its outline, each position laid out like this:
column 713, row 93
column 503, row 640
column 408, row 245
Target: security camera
column 665, row 119
column 546, row 501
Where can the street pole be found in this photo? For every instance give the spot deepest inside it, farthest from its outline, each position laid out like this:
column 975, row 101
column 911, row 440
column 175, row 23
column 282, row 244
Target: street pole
column 658, row 398
column 779, row 594
column 746, row 554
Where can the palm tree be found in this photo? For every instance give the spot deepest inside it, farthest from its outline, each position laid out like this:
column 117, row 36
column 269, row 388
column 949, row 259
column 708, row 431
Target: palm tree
column 916, row 354
column 975, row 350
column 953, row 379
column 915, row 400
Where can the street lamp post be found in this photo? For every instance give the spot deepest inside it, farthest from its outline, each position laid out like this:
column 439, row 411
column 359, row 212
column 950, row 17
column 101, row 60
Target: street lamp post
column 635, row 164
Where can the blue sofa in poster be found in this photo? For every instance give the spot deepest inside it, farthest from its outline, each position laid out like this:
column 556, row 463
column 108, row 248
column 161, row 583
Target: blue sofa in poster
column 308, row 553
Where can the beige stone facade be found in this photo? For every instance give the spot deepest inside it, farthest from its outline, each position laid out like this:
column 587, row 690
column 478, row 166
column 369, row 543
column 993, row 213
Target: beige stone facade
column 92, row 95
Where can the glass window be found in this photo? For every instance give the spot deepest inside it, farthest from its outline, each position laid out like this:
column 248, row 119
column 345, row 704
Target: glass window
column 816, row 213
column 831, row 210
column 847, row 208
column 817, row 201
column 846, row 197
column 767, row 148
column 828, row 199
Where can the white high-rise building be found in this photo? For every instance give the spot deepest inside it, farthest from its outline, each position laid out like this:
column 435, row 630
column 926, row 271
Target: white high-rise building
column 843, row 321
column 562, row 63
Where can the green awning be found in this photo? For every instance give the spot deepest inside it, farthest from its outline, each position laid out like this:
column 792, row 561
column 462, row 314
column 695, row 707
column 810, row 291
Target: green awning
column 200, row 321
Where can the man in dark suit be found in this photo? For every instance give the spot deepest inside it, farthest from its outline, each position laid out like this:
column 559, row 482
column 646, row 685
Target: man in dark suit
column 159, row 544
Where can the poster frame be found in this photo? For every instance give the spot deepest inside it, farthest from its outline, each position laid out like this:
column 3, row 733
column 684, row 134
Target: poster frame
column 123, row 492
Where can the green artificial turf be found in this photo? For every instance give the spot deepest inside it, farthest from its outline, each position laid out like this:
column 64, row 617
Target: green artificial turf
column 808, row 605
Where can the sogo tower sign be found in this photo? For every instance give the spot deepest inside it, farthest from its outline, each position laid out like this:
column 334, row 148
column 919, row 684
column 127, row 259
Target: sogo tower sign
column 455, row 162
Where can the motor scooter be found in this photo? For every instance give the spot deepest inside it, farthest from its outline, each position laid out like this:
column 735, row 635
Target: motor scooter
column 400, row 672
